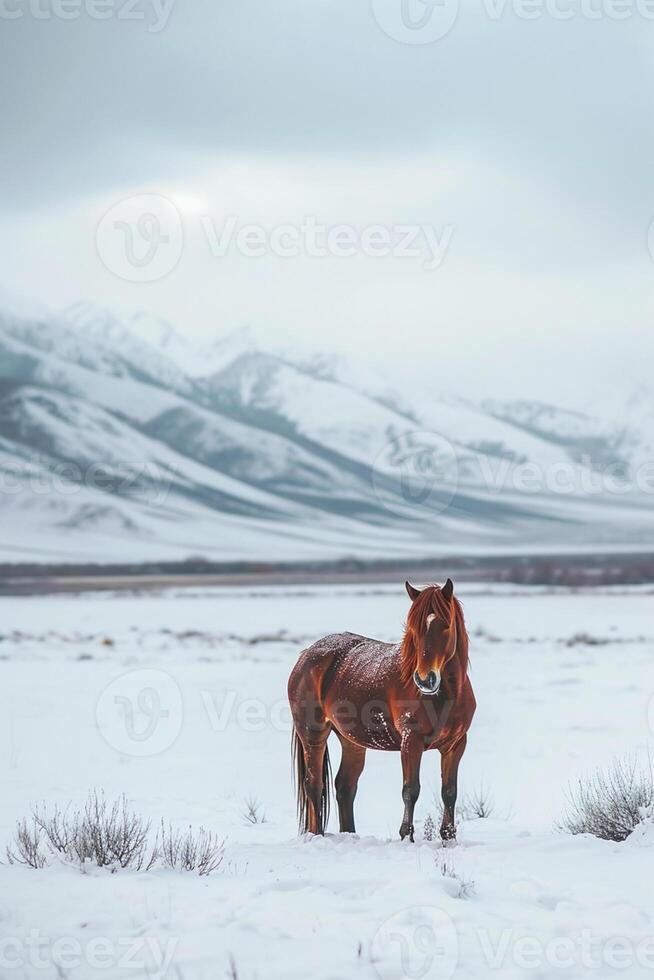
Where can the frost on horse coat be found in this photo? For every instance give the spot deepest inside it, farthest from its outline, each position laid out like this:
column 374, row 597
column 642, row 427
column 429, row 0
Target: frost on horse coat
column 407, row 697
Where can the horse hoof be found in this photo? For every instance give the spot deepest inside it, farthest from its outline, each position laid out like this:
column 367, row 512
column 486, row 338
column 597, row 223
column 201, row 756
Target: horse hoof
column 406, row 830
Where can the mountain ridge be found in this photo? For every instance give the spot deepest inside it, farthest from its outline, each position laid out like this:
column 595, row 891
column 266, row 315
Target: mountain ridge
column 239, row 451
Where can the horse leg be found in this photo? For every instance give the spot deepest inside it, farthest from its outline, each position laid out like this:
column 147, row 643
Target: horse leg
column 353, row 759
column 412, row 748
column 315, row 786
column 449, row 773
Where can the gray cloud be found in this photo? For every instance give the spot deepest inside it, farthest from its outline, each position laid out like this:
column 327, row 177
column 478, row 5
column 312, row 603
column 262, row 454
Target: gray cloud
column 89, row 101
column 544, row 124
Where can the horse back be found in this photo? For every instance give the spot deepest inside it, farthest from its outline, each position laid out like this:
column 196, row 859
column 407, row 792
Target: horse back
column 318, row 660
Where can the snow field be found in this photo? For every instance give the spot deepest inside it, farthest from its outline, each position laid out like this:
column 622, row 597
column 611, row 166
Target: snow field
column 178, row 700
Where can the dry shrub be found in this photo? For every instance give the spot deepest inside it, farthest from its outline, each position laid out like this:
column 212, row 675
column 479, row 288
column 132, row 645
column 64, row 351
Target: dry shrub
column 27, row 846
column 476, row 805
column 429, row 832
column 610, row 803
column 201, row 852
column 253, row 811
column 110, row 836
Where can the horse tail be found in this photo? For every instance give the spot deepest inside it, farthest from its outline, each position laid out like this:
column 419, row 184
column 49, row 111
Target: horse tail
column 300, row 767
column 325, row 798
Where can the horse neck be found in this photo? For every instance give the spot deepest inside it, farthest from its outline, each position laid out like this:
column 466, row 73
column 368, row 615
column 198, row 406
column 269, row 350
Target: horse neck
column 408, row 658
column 460, row 659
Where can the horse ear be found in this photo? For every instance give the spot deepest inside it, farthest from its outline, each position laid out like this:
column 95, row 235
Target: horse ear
column 448, row 590
column 412, row 593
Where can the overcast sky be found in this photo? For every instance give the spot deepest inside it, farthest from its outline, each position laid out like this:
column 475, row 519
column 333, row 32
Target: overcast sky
column 517, row 152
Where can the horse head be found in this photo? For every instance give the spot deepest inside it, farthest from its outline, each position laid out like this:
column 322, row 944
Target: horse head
column 431, row 636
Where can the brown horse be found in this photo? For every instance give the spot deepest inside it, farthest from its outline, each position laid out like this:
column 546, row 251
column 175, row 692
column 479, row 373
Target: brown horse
column 406, row 698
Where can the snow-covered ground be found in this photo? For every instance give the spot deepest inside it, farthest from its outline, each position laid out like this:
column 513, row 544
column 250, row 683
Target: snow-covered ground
column 178, row 700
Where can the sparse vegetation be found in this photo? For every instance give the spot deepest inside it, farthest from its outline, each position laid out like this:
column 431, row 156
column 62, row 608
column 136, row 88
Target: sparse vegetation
column 462, row 887
column 587, row 640
column 27, row 846
column 429, row 828
column 611, row 803
column 253, row 811
column 200, row 852
column 476, row 805
column 109, row 836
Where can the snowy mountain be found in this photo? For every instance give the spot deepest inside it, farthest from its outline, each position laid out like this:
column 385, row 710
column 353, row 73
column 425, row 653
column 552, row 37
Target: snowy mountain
column 124, row 441
column 150, row 340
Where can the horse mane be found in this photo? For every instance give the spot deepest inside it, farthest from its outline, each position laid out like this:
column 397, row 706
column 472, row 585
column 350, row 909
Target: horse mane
column 430, row 601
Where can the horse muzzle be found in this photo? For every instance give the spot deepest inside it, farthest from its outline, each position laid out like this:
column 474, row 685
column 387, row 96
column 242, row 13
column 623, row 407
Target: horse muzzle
column 428, row 685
